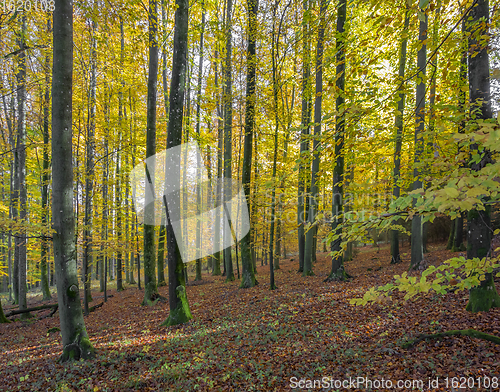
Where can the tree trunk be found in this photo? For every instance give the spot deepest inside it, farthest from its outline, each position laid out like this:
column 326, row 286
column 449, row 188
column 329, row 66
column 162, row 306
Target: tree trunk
column 76, row 343
column 21, row 148
column 228, row 124
column 430, row 144
column 248, row 273
column 338, row 272
column 45, row 179
column 309, row 241
column 179, row 306
column 198, row 163
column 150, row 288
column 163, row 230
column 3, row 319
column 304, row 141
column 458, row 239
column 119, row 175
column 399, row 124
column 485, row 296
column 89, row 172
column 417, row 250
column 218, row 190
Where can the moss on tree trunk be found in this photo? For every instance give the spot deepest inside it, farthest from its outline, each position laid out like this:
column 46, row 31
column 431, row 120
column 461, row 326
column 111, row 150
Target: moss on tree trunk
column 3, row 319
column 181, row 314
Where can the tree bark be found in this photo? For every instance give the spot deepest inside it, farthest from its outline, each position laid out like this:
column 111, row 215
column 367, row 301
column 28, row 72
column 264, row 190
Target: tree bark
column 76, row 343
column 89, row 171
column 304, row 141
column 458, row 237
column 3, row 319
column 309, row 241
column 485, row 296
column 21, row 148
column 150, row 288
column 217, row 255
column 228, row 124
column 45, row 178
column 179, row 306
column 248, row 273
column 399, row 124
column 198, row 163
column 417, row 250
column 338, row 271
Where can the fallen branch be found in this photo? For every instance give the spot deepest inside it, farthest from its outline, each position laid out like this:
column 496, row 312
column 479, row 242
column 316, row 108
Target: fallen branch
column 95, row 307
column 36, row 308
column 464, row 332
column 50, row 314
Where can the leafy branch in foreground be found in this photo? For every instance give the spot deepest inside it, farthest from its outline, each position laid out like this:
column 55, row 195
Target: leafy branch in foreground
column 455, row 274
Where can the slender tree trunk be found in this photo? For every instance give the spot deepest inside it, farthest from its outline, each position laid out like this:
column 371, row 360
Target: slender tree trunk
column 458, row 237
column 309, row 241
column 485, row 296
column 118, row 217
column 89, row 172
column 228, row 124
column 430, row 144
column 21, row 148
column 45, row 178
column 76, row 343
column 163, row 230
column 198, row 163
column 253, row 215
column 304, row 141
column 119, row 175
column 417, row 250
column 338, row 271
column 451, row 237
column 150, row 288
column 399, row 124
column 218, row 190
column 104, row 229
column 248, row 273
column 12, row 188
column 179, row 306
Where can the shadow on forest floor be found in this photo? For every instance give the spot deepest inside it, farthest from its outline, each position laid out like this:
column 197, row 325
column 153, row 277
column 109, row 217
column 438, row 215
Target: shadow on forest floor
column 257, row 339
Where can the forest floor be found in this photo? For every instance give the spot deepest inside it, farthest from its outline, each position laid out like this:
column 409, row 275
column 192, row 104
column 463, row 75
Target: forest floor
column 261, row 340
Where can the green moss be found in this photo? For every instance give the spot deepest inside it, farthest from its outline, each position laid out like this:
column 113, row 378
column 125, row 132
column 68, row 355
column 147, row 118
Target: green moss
column 461, row 248
column 87, row 350
column 483, row 297
column 247, row 280
column 181, row 314
column 340, row 275
column 72, row 291
column 81, row 348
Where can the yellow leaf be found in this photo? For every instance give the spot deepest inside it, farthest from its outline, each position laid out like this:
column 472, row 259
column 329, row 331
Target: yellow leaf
column 452, row 192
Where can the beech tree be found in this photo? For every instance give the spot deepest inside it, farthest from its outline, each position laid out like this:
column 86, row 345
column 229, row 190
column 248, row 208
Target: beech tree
column 150, row 288
column 338, row 271
column 401, row 97
column 248, row 273
column 485, row 296
column 179, row 306
column 417, row 250
column 309, row 239
column 76, row 343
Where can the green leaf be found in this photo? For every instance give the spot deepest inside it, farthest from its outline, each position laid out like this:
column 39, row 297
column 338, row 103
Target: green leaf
column 422, row 4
